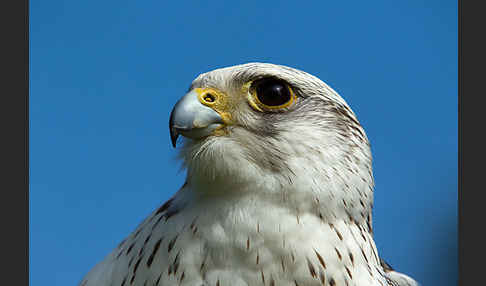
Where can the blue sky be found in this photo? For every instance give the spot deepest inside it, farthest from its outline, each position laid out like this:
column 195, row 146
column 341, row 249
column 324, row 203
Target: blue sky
column 104, row 76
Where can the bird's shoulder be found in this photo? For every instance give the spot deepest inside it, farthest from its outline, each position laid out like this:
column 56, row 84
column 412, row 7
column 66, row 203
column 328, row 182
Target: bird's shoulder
column 139, row 250
column 395, row 278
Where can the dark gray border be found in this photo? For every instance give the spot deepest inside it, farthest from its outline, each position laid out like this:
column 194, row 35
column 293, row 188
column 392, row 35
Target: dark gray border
column 14, row 134
column 471, row 174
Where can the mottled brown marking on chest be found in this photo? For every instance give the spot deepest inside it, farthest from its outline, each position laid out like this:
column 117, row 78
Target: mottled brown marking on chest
column 135, row 270
column 312, row 270
column 364, row 255
column 130, row 248
column 165, row 206
column 176, row 262
column 322, row 277
column 124, row 280
column 338, row 253
column 349, row 272
column 321, row 260
column 172, row 243
column 131, row 261
column 154, row 251
column 351, row 257
column 368, row 223
column 137, row 232
column 338, row 234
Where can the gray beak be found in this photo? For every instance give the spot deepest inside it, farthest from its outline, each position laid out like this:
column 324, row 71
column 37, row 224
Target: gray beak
column 192, row 119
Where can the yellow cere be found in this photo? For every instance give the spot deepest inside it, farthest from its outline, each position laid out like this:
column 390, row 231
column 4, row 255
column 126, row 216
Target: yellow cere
column 217, row 100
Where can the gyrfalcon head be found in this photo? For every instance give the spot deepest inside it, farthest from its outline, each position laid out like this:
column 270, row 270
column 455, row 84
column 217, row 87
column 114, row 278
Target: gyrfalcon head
column 277, row 131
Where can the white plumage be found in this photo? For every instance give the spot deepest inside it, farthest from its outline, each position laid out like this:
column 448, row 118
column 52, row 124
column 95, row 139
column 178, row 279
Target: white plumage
column 279, row 191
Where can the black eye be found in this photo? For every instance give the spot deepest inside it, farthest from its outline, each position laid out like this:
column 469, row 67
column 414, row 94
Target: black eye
column 273, row 92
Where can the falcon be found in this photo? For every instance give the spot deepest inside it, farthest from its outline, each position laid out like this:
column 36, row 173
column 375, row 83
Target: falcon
column 279, row 191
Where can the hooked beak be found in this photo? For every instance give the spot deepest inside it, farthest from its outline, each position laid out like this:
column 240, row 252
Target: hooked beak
column 192, row 119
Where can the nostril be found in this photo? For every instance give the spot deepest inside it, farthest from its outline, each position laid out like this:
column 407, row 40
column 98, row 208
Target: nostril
column 208, row 97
